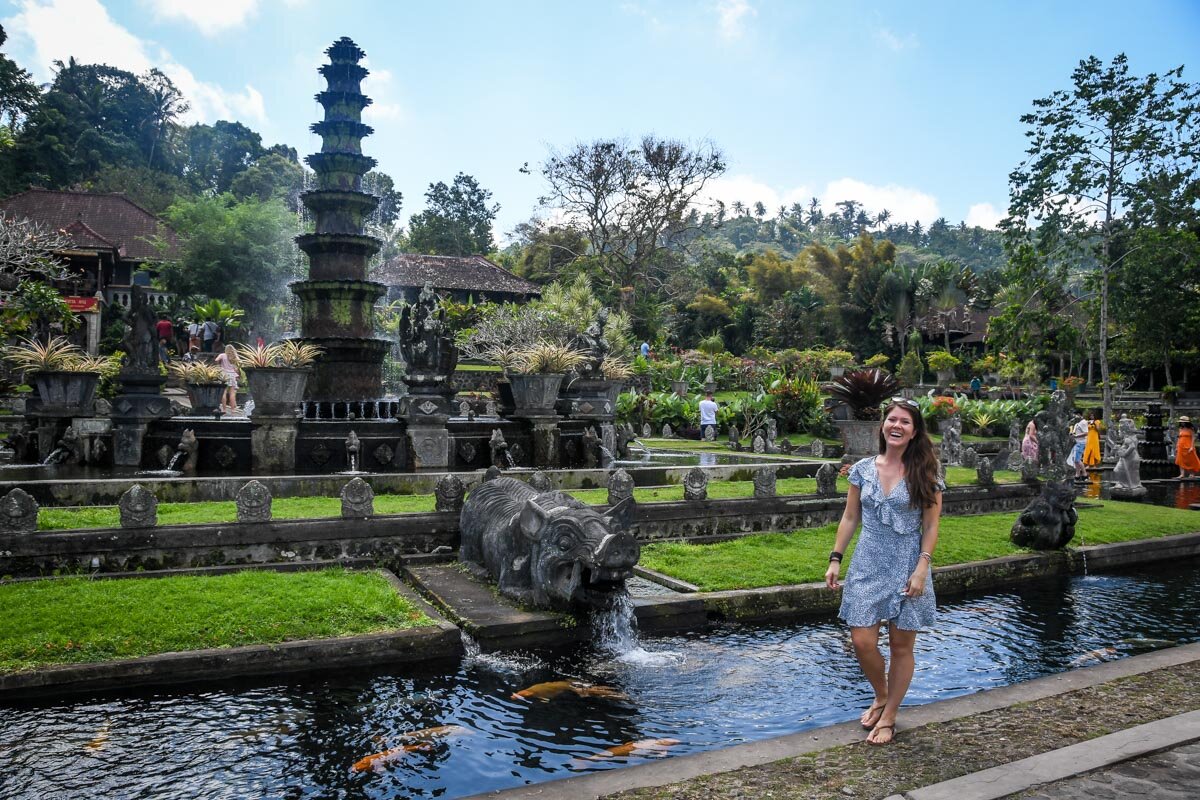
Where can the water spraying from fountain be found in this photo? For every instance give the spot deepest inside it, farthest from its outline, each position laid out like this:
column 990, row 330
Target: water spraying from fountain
column 57, row 456
column 616, row 633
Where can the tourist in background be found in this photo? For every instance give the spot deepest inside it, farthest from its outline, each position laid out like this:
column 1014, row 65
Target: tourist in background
column 194, row 330
column 1091, row 446
column 228, row 362
column 1185, row 449
column 1029, row 445
column 976, row 388
column 208, row 332
column 897, row 496
column 1079, row 432
column 708, row 415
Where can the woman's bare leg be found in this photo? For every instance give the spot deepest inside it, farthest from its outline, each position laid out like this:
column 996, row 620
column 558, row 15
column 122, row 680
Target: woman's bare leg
column 866, row 648
column 900, row 673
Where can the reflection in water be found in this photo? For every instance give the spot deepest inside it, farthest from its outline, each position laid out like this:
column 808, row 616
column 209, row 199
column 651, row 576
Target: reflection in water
column 1169, row 493
column 723, row 686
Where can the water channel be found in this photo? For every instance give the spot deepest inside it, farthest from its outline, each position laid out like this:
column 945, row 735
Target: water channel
column 730, row 684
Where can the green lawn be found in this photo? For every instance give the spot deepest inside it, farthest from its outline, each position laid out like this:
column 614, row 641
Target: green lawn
column 777, row 559
column 52, row 519
column 79, row 620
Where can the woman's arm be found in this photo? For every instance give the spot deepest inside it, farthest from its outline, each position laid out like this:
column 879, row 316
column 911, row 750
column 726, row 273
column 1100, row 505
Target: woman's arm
column 851, row 516
column 930, row 518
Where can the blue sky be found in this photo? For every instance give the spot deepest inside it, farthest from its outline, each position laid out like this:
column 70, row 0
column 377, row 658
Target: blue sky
column 913, row 106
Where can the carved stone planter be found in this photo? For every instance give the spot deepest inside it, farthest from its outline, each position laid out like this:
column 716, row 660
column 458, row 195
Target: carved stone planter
column 277, row 391
column 680, row 388
column 205, row 398
column 859, row 437
column 945, row 377
column 65, row 394
column 589, row 399
column 535, row 395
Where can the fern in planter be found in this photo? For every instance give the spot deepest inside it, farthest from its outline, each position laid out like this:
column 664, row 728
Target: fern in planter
column 864, row 391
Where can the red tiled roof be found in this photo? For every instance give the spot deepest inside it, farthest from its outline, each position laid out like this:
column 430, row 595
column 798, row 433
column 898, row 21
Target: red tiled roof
column 96, row 221
column 452, row 272
column 85, row 238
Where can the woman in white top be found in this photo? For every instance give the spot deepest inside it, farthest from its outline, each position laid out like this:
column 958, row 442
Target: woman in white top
column 228, row 362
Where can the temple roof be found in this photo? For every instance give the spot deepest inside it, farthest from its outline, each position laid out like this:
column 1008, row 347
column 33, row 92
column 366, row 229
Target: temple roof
column 96, row 221
column 464, row 273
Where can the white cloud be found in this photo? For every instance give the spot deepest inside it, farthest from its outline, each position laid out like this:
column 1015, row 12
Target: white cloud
column 895, row 42
column 61, row 29
column 983, row 215
column 905, row 203
column 210, row 16
column 638, row 10
column 748, row 190
column 732, row 16
column 378, row 86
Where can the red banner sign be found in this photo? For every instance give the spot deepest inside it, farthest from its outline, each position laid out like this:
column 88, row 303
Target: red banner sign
column 77, row 304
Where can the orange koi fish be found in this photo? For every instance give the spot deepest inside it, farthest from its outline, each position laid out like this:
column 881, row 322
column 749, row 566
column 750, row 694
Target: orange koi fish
column 424, row 744
column 646, row 747
column 551, row 689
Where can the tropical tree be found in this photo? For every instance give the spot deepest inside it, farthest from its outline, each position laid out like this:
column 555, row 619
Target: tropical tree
column 1112, row 153
column 457, row 220
column 239, row 251
column 631, row 202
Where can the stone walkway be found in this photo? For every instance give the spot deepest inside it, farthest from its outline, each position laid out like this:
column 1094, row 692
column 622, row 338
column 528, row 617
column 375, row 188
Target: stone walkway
column 956, row 741
column 1170, row 775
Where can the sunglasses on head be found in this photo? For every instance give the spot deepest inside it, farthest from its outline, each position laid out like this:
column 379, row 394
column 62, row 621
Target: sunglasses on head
column 905, row 401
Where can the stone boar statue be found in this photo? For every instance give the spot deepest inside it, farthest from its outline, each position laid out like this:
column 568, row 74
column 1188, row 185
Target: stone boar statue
column 547, row 549
column 1048, row 522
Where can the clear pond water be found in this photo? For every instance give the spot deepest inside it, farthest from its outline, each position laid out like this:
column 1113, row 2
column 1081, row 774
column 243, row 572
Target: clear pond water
column 711, row 689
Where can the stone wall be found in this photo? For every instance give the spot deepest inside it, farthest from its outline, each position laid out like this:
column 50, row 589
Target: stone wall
column 389, row 540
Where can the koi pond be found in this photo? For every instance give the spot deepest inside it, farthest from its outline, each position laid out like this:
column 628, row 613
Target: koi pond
column 672, row 695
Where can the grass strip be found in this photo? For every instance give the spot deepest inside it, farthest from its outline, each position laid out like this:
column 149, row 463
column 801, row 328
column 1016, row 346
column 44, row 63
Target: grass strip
column 79, row 620
column 779, row 559
column 51, row 519
column 75, row 518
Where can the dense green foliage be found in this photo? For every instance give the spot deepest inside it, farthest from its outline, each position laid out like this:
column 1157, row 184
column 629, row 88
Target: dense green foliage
column 77, row 620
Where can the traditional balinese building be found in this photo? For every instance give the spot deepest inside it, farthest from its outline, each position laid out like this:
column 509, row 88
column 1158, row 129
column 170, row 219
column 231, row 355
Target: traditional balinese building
column 456, row 277
column 112, row 239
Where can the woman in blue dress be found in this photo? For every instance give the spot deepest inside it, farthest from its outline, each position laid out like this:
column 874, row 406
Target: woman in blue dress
column 897, row 497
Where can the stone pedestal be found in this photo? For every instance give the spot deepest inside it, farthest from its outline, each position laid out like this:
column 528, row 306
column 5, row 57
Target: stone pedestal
column 139, row 403
column 273, row 443
column 545, row 443
column 127, row 442
column 428, row 446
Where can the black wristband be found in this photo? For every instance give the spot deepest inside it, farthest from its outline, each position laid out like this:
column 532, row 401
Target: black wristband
column 835, row 556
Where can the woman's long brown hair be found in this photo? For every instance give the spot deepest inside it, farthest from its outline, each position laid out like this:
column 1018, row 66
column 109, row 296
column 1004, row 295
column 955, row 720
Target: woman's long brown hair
column 920, row 463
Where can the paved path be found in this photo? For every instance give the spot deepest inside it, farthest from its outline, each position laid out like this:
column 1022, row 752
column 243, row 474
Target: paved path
column 1170, row 775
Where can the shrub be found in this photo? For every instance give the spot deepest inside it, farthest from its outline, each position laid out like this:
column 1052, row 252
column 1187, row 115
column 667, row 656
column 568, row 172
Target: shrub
column 799, row 405
column 942, row 361
column 864, row 391
column 910, row 369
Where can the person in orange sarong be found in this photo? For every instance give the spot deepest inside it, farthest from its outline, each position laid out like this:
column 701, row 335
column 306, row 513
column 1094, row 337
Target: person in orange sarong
column 1185, row 449
column 1091, row 450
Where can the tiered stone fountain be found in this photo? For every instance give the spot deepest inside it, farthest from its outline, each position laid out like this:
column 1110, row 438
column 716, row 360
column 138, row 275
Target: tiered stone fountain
column 337, row 300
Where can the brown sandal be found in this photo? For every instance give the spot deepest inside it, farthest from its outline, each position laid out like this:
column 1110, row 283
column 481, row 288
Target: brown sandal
column 881, row 744
column 874, row 707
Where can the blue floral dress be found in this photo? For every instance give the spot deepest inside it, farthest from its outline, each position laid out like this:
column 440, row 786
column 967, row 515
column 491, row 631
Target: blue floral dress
column 889, row 546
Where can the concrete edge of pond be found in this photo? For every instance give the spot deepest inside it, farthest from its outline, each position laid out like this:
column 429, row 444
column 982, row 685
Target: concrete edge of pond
column 686, row 767
column 411, row 645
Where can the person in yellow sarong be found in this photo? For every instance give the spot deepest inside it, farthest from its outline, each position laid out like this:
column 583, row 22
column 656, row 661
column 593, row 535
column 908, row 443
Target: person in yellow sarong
column 1091, row 450
column 1185, row 449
